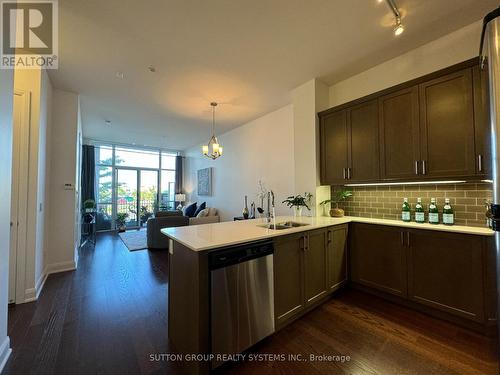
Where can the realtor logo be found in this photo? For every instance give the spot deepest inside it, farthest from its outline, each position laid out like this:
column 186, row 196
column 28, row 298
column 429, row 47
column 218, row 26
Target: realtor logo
column 29, row 34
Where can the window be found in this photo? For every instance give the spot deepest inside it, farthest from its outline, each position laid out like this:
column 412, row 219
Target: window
column 127, row 181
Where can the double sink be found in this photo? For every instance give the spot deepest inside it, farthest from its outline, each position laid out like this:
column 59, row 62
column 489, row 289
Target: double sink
column 283, row 225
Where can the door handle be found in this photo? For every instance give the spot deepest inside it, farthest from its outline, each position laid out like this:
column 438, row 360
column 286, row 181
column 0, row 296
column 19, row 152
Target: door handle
column 480, row 162
column 402, row 239
column 408, row 239
column 416, row 167
column 424, row 169
column 348, row 173
column 329, row 236
column 344, row 173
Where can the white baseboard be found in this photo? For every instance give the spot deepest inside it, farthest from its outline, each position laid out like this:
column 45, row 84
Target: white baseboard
column 5, row 351
column 32, row 294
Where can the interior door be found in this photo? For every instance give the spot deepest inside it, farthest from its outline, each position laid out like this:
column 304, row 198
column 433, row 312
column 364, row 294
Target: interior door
column 363, row 142
column 399, row 134
column 447, row 125
column 334, row 148
column 127, row 183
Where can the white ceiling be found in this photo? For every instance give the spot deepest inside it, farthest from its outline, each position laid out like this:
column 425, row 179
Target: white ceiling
column 247, row 55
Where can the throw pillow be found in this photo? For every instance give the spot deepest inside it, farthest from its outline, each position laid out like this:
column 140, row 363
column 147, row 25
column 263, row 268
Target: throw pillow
column 203, row 213
column 200, row 207
column 190, row 210
column 212, row 211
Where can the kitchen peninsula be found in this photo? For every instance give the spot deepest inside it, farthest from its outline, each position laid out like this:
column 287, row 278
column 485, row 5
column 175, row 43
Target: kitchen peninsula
column 308, row 259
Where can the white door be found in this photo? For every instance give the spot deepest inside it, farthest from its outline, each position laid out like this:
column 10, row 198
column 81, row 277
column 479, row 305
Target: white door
column 19, row 194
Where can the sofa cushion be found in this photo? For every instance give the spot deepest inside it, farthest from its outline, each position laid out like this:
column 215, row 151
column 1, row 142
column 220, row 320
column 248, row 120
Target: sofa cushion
column 200, row 207
column 190, row 210
column 212, row 211
column 203, row 213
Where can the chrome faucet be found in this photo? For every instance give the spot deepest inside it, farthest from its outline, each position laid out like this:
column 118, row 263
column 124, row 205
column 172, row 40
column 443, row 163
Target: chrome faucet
column 270, row 206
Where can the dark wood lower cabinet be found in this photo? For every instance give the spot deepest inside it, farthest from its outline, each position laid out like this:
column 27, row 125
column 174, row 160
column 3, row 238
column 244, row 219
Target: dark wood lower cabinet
column 445, row 271
column 449, row 275
column 378, row 258
column 307, row 267
column 288, row 277
column 337, row 257
column 315, row 264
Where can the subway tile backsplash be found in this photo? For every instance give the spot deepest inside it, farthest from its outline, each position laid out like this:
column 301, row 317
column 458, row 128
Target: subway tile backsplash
column 384, row 202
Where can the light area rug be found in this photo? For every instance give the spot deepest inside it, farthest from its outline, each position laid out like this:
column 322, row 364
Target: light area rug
column 134, row 239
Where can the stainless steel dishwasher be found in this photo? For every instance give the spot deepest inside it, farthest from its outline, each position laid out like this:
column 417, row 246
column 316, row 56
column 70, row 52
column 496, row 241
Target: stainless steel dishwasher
column 242, row 297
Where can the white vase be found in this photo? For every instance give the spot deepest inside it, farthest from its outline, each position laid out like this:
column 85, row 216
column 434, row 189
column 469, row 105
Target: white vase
column 297, row 211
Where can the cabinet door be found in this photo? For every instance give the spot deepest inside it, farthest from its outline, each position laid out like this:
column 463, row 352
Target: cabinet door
column 482, row 121
column 288, row 277
column 399, row 135
column 333, row 148
column 336, row 257
column 315, row 263
column 447, row 126
column 378, row 258
column 445, row 271
column 363, row 142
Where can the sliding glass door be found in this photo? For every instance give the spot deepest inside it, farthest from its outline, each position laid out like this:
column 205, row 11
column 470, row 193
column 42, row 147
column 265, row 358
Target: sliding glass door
column 127, row 181
column 136, row 195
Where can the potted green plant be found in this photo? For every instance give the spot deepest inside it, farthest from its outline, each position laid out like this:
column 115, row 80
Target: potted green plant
column 338, row 197
column 89, row 205
column 121, row 217
column 297, row 202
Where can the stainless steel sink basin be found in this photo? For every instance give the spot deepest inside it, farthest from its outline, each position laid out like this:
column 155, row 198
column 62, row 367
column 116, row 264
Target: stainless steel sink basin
column 283, row 225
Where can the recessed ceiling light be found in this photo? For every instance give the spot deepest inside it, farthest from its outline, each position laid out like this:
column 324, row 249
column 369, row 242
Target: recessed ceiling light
column 107, row 122
column 120, row 75
column 152, row 69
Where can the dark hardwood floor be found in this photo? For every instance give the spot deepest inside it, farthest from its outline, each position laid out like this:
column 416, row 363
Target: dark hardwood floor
column 108, row 316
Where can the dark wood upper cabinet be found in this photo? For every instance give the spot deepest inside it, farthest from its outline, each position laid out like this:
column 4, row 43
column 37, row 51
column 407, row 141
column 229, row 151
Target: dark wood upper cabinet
column 399, row 134
column 315, row 263
column 333, row 130
column 433, row 127
column 447, row 126
column 378, row 258
column 482, row 121
column 288, row 277
column 363, row 142
column 445, row 271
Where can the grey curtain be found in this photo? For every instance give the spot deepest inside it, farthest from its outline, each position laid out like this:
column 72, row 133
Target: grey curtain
column 178, row 175
column 88, row 173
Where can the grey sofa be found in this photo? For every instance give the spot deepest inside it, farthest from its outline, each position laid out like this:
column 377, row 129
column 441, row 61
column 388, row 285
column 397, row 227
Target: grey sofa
column 163, row 219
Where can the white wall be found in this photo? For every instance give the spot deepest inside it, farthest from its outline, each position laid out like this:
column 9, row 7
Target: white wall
column 63, row 170
column 259, row 150
column 6, row 102
column 450, row 49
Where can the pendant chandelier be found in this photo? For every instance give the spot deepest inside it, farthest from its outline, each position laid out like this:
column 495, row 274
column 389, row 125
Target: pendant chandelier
column 212, row 149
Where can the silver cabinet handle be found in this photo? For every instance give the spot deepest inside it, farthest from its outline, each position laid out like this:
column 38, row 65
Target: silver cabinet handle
column 480, row 162
column 408, row 239
column 402, row 239
column 348, row 173
column 416, row 167
column 424, row 169
column 329, row 236
column 344, row 173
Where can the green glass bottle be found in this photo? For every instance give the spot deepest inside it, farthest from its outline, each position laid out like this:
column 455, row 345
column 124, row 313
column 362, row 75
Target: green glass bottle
column 406, row 210
column 448, row 216
column 433, row 212
column 419, row 212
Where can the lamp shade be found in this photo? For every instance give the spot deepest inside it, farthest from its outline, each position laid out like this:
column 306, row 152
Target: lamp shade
column 180, row 197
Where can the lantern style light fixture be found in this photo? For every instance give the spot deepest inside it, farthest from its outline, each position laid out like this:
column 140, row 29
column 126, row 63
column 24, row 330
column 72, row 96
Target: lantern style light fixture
column 213, row 148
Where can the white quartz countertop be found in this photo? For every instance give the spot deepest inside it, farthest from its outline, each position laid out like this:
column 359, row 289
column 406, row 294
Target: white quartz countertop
column 212, row 236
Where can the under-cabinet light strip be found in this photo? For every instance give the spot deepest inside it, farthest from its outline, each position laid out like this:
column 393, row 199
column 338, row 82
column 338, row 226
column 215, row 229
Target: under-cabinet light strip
column 410, row 183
